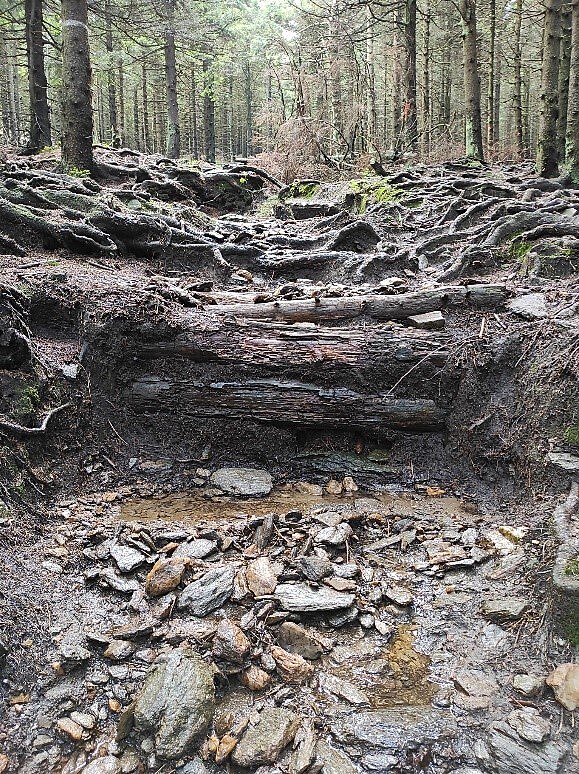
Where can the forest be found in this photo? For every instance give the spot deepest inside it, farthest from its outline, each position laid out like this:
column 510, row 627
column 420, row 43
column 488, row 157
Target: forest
column 289, row 387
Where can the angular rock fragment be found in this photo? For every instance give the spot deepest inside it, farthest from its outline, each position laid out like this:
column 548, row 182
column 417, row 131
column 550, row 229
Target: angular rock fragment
column 291, row 667
column 195, row 549
column 301, row 598
column 333, row 761
column 342, row 688
column 506, row 751
column 335, row 536
column 564, row 680
column 164, row 576
column 176, row 703
column 230, row 643
column 529, row 724
column 508, row 609
column 296, row 639
column 243, row 481
column 255, row 679
column 315, row 567
column 262, row 743
column 305, row 748
column 209, row 592
column 106, row 765
column 260, row 576
column 126, row 558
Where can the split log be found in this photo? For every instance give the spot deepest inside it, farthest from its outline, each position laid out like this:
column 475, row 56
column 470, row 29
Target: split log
column 284, row 403
column 379, row 307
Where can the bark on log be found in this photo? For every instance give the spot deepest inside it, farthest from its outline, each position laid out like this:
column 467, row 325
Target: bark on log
column 285, row 403
column 378, row 307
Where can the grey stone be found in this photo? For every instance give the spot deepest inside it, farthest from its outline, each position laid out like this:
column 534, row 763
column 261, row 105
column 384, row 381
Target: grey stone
column 195, row 549
column 262, row 743
column 296, row 639
column 529, row 724
column 507, row 752
column 342, row 688
column 531, row 306
column 117, row 583
column 243, row 481
column 107, row 765
column 394, row 728
column 399, row 595
column 196, row 766
column 508, row 609
column 428, row 321
column 176, row 703
column 334, row 536
column 315, row 567
column 127, row 559
column 333, row 761
column 564, row 461
column 301, row 598
column 209, row 592
column 528, row 685
column 379, row 762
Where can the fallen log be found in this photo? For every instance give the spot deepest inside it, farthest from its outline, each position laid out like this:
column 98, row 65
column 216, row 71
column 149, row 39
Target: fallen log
column 376, row 306
column 284, row 403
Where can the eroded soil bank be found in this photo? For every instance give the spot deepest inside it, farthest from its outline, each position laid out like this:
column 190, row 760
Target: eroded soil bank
column 278, row 486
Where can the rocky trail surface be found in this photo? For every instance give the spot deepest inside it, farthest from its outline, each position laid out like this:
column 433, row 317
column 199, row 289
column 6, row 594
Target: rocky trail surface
column 285, row 470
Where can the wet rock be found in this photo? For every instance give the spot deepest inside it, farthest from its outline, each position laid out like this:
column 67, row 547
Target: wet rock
column 348, row 570
column 379, row 762
column 107, row 765
column 531, row 306
column 296, row 639
column 301, row 598
column 126, row 558
column 430, row 321
column 399, row 595
column 342, row 688
column 505, row 751
column 564, row 680
column 344, row 618
column 134, row 630
column 117, row 583
column 243, row 481
column 476, row 683
column 291, row 667
column 195, row 549
column 341, row 584
column 83, row 719
column 119, row 650
column 260, row 576
column 335, row 536
column 333, row 761
column 316, row 567
column 508, row 609
column 255, row 679
column 71, row 729
column 209, row 592
column 230, row 643
column 262, row 743
column 176, row 703
column 73, row 653
column 528, row 685
column 164, row 576
column 305, row 748
column 394, row 728
column 529, row 724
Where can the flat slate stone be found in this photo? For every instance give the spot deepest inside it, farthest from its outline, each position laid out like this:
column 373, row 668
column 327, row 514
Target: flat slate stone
column 507, row 752
column 209, row 592
column 262, row 743
column 431, row 321
column 564, row 461
column 531, row 306
column 301, row 598
column 243, row 481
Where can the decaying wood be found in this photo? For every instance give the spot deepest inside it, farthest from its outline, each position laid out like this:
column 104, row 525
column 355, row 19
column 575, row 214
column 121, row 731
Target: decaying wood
column 284, row 403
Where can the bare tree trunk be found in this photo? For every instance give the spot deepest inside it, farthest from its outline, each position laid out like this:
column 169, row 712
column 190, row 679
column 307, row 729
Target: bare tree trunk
column 547, row 151
column 208, row 113
column 146, row 128
column 425, row 140
column 40, row 135
column 492, row 75
column 122, row 117
column 409, row 116
column 173, row 129
column 137, row 144
column 193, row 104
column 473, row 123
column 518, row 80
column 572, row 143
column 564, row 75
column 111, row 86
column 248, row 109
column 77, row 119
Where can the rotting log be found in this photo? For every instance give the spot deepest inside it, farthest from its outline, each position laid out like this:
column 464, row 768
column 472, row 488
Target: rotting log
column 377, row 306
column 284, row 403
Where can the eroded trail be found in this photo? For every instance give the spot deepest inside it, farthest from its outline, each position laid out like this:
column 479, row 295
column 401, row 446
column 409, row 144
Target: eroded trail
column 290, row 507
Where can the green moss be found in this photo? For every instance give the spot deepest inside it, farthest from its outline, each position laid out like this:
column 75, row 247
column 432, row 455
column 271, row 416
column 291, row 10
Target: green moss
column 77, row 172
column 374, row 190
column 518, row 250
column 27, row 402
column 571, row 434
column 572, row 568
column 303, row 190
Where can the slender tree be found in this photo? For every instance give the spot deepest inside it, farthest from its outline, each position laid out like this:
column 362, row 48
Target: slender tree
column 473, row 123
column 572, row 140
column 173, row 126
column 40, row 135
column 409, row 120
column 547, row 150
column 77, row 119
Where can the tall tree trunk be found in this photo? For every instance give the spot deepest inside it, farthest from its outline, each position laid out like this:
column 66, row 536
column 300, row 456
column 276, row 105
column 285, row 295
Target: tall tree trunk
column 77, row 119
column 547, row 151
column 371, row 117
column 137, row 142
column 208, row 112
column 572, row 144
column 409, row 118
column 425, row 139
column 492, row 75
column 193, row 107
column 37, row 84
column 473, row 123
column 122, row 116
column 173, row 129
column 248, row 109
column 564, row 75
column 146, row 127
column 111, row 85
column 518, row 80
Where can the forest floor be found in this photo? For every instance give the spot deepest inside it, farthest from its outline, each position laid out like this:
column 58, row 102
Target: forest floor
column 279, row 470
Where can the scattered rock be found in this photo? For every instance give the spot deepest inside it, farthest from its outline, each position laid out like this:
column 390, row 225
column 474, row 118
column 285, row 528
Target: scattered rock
column 316, row 567
column 507, row 752
column 529, row 724
column 260, row 576
column 230, row 643
column 564, row 681
column 302, row 642
column 119, row 650
column 70, row 728
column 301, row 598
column 399, row 595
column 335, row 536
column 508, row 609
column 195, row 549
column 209, row 592
column 304, row 748
column 255, row 679
column 196, row 766
column 262, row 743
column 333, row 761
column 430, row 321
column 531, row 306
column 107, row 765
column 127, row 559
column 176, row 703
column 243, row 481
column 528, row 685
column 342, row 688
column 291, row 667
column 564, row 461
column 118, row 583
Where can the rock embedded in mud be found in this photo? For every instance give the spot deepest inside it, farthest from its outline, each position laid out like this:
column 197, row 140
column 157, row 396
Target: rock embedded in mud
column 119, row 650
column 261, row 577
column 245, row 482
column 195, row 549
column 531, row 306
column 262, row 743
column 209, row 592
column 126, row 558
column 528, row 685
column 429, row 321
column 196, row 766
column 106, row 765
column 291, row 667
column 529, row 724
column 230, row 643
column 296, row 639
column 508, row 609
column 304, row 748
column 176, row 703
column 164, row 576
column 70, row 728
column 343, row 688
column 301, row 598
column 399, row 595
column 564, row 680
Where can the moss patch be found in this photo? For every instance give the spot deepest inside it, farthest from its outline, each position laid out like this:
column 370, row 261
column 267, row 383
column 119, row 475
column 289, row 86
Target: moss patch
column 305, row 190
column 374, row 191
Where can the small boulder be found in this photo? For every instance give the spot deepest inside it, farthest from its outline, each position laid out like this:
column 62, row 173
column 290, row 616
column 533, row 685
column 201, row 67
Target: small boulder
column 165, row 575
column 255, row 679
column 529, row 724
column 291, row 667
column 564, row 680
column 245, row 482
column 260, row 576
column 508, row 609
column 263, row 742
column 106, row 765
column 209, row 592
column 230, row 643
